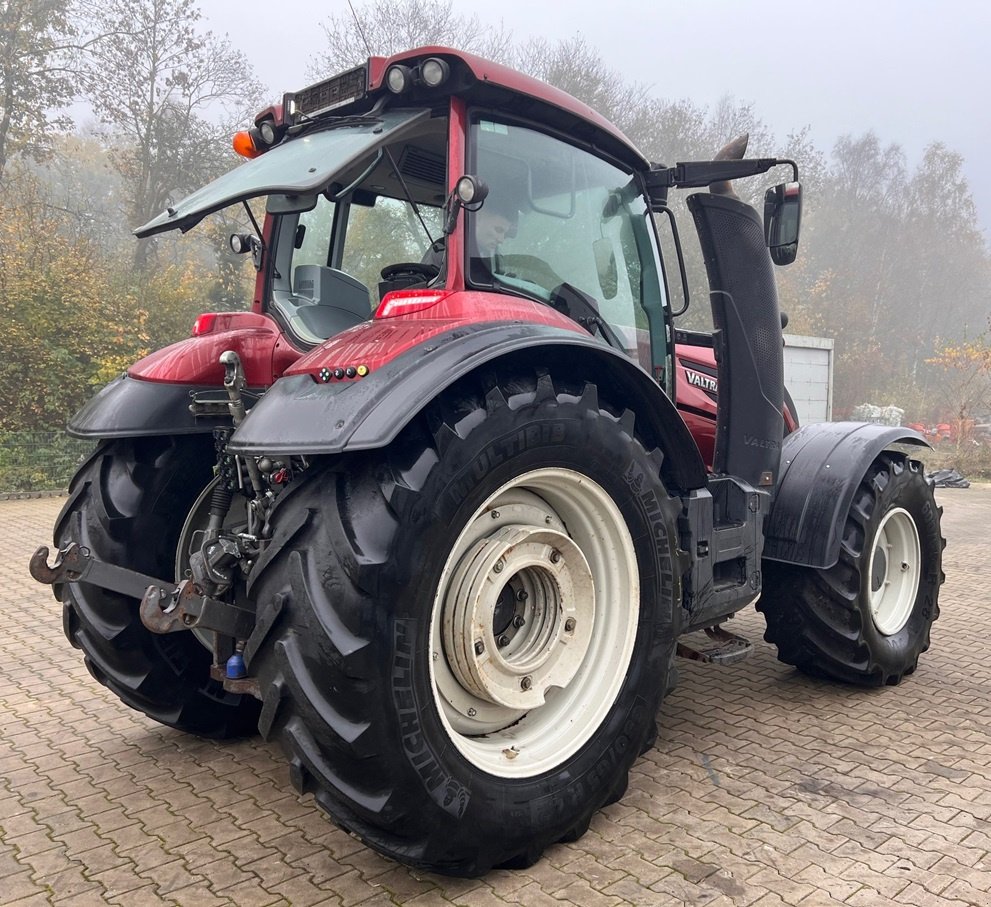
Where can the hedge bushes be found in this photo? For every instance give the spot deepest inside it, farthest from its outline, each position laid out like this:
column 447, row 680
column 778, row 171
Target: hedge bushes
column 39, row 460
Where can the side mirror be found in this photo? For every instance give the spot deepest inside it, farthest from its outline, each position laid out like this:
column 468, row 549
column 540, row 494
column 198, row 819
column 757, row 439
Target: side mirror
column 782, row 220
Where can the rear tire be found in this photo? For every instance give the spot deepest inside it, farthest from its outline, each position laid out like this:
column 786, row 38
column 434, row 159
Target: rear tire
column 127, row 504
column 867, row 619
column 454, row 714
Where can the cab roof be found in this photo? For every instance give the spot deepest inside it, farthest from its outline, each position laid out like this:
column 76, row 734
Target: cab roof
column 498, row 86
column 304, row 165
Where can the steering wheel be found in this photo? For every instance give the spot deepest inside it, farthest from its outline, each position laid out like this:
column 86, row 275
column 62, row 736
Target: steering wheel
column 417, row 268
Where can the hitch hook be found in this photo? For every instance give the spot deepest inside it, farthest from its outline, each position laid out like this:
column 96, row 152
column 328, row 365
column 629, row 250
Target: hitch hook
column 58, row 572
column 75, row 564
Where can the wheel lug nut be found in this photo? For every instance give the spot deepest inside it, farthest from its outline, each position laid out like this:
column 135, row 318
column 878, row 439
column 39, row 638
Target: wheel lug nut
column 503, row 641
column 526, row 683
column 472, row 713
column 522, row 595
column 479, row 647
column 519, row 621
column 495, row 514
column 555, row 556
column 499, row 566
column 569, row 625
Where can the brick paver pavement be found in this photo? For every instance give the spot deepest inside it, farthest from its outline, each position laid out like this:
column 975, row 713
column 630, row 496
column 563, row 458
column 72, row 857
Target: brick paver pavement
column 765, row 787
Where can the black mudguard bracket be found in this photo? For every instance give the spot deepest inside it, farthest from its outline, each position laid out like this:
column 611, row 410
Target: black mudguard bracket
column 821, row 467
column 132, row 408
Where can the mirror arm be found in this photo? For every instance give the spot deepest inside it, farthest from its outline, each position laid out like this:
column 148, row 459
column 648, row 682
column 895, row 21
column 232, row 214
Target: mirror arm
column 698, row 174
column 258, row 240
column 664, row 209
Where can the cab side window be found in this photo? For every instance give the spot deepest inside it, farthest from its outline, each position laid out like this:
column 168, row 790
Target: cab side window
column 556, row 214
column 386, row 233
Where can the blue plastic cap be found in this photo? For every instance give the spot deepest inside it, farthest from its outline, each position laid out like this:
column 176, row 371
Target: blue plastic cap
column 235, row 667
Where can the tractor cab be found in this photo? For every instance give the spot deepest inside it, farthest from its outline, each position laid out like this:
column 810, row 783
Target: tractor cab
column 395, row 187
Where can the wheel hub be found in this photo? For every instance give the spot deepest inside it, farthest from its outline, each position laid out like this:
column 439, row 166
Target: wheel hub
column 879, row 569
column 518, row 615
column 527, row 659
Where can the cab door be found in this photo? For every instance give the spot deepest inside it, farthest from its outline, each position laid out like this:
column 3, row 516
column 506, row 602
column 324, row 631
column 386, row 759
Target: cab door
column 575, row 231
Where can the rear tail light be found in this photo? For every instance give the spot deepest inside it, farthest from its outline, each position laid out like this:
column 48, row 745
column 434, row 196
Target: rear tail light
column 204, row 324
column 406, row 302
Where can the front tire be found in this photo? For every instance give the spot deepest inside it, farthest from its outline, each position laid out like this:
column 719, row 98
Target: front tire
column 478, row 624
column 867, row 619
column 127, row 505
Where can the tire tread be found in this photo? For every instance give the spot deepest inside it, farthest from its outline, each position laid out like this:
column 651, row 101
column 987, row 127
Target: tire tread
column 818, row 619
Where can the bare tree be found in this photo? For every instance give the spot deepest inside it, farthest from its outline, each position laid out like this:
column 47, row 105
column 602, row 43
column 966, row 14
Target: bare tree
column 37, row 75
column 379, row 28
column 948, row 289
column 169, row 95
column 573, row 66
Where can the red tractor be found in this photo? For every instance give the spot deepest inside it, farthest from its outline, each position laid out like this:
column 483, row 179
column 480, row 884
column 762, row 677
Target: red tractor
column 430, row 513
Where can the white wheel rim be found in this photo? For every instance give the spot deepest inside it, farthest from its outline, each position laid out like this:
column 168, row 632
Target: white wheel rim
column 894, row 571
column 534, row 623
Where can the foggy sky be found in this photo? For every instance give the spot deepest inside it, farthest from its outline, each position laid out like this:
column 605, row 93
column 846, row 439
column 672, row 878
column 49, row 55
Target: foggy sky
column 913, row 72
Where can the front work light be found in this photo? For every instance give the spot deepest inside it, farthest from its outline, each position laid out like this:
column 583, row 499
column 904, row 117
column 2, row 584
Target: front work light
column 398, row 78
column 240, row 243
column 470, row 190
column 269, row 132
column 434, row 72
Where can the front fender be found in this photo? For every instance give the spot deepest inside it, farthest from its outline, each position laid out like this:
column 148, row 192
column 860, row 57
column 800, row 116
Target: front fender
column 821, row 467
column 300, row 415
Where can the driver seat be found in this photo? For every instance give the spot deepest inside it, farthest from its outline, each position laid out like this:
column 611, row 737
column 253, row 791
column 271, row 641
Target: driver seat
column 328, row 300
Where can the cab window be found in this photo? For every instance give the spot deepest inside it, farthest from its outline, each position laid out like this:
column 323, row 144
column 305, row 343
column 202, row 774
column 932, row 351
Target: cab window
column 387, row 233
column 385, row 209
column 558, row 215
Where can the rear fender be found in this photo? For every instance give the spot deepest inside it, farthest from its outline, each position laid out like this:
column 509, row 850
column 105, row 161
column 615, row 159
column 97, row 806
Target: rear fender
column 153, row 397
column 306, row 414
column 196, row 360
column 131, row 408
column 821, row 467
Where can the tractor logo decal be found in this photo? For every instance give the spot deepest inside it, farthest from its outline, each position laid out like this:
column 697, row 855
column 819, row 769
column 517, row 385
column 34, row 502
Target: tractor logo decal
column 702, row 381
column 762, row 443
